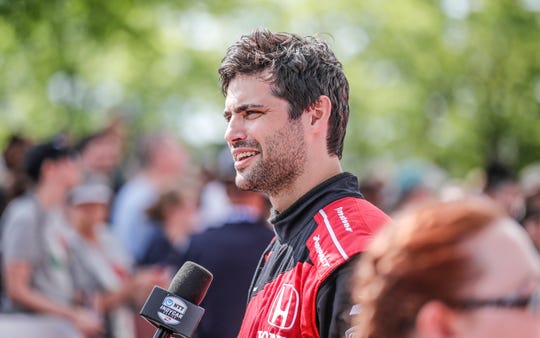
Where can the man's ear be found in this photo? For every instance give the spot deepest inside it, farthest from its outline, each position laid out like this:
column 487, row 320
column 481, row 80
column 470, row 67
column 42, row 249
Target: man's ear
column 435, row 319
column 319, row 112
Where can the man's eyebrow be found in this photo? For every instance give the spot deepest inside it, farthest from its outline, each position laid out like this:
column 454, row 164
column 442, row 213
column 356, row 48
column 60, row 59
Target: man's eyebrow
column 243, row 107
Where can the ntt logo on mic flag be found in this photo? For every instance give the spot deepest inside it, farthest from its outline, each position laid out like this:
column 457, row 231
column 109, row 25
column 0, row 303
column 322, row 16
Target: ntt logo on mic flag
column 172, row 309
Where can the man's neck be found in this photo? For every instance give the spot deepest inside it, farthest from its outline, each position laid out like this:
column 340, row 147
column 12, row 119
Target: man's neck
column 307, row 181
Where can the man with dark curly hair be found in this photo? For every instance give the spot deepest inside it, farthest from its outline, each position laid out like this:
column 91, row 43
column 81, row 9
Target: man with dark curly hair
column 286, row 109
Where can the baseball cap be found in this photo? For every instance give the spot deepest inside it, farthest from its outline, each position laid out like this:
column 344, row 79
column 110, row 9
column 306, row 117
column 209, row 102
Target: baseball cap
column 90, row 192
column 54, row 150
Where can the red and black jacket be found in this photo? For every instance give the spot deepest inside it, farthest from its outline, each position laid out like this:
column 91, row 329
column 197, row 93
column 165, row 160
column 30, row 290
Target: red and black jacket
column 300, row 288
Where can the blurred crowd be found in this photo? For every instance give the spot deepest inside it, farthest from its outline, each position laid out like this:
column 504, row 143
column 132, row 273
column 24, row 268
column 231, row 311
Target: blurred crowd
column 416, row 182
column 85, row 237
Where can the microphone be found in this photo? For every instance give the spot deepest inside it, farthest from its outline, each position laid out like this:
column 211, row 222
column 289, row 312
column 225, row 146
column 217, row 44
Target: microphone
column 176, row 311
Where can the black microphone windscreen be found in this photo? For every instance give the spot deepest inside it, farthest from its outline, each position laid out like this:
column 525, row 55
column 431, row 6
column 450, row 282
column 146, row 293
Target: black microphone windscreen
column 191, row 282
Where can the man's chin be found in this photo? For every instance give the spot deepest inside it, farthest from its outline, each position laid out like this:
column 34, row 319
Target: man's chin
column 241, row 183
column 245, row 184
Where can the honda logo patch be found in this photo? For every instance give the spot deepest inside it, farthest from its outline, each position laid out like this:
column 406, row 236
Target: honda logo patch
column 284, row 308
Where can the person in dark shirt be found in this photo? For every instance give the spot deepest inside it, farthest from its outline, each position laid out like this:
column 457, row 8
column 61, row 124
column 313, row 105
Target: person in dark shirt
column 231, row 252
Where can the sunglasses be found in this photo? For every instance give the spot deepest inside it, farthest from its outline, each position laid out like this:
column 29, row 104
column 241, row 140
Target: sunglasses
column 530, row 302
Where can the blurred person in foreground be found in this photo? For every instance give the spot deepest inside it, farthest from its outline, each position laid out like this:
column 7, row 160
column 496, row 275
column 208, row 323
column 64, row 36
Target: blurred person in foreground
column 449, row 269
column 286, row 109
column 162, row 158
column 231, row 251
column 105, row 269
column 37, row 262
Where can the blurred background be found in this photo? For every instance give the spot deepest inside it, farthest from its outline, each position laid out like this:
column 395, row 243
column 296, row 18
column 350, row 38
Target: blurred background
column 456, row 82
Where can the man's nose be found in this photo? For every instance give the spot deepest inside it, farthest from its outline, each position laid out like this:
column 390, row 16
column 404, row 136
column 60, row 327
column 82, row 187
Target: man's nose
column 235, row 130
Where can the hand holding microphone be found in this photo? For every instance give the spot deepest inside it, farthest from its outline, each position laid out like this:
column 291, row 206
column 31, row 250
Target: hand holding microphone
column 176, row 311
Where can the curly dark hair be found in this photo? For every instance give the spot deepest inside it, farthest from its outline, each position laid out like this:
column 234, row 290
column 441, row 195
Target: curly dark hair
column 300, row 69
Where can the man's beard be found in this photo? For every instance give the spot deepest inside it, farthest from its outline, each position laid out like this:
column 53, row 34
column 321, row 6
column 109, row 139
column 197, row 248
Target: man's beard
column 281, row 163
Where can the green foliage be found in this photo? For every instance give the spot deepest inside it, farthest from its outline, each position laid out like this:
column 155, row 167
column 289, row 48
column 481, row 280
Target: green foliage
column 457, row 82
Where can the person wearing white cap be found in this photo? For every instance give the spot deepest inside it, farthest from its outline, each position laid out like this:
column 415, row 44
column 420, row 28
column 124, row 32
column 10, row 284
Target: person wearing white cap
column 105, row 268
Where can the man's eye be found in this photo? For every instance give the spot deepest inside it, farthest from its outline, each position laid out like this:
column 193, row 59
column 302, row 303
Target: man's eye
column 250, row 114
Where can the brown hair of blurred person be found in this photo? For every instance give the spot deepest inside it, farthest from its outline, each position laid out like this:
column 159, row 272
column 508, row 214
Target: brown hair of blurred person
column 175, row 211
column 419, row 273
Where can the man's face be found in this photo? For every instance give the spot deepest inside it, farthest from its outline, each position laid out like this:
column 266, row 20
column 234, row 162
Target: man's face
column 169, row 157
column 269, row 150
column 510, row 268
column 88, row 215
column 103, row 153
column 66, row 171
